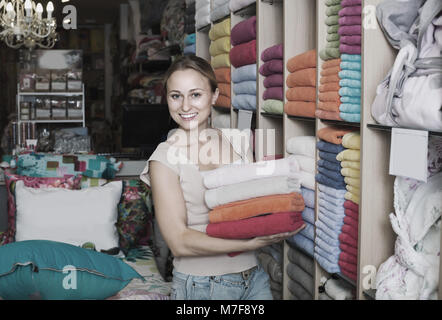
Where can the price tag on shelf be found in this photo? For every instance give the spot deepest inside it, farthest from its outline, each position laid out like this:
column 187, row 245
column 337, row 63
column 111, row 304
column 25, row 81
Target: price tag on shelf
column 408, row 153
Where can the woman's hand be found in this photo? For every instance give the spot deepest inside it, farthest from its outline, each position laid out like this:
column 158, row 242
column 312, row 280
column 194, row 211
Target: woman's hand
column 263, row 241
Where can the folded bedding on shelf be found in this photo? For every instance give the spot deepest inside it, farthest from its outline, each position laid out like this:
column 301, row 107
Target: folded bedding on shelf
column 333, row 134
column 327, row 115
column 275, row 52
column 329, row 53
column 274, row 80
column 351, row 100
column 352, row 140
column 351, row 40
column 239, row 4
column 305, row 244
column 244, row 31
column 296, row 273
column 276, row 93
column 337, row 177
column 300, row 259
column 350, row 48
column 220, row 61
column 330, row 86
column 224, row 89
column 220, row 11
column 332, row 37
column 333, row 9
column 332, row 29
column 353, row 197
column 332, row 20
column 349, row 3
column 352, row 83
column 244, row 102
column 349, row 267
column 257, row 206
column 334, row 166
column 330, row 222
column 351, row 205
column 326, row 146
column 301, row 78
column 223, row 75
column 325, row 237
column 219, row 46
column 273, row 106
column 328, row 156
column 201, row 3
column 256, row 226
column 350, row 74
column 354, row 190
column 350, row 11
column 306, row 60
column 245, row 87
column 243, row 54
column 308, row 214
column 305, row 163
column 348, row 238
column 271, row 266
column 355, row 182
column 220, row 30
column 354, row 215
column 202, row 16
column 351, row 57
column 330, row 257
column 273, row 66
column 307, row 179
column 223, row 101
column 330, row 71
column 326, row 265
column 331, row 233
column 251, row 189
column 349, row 108
column 333, row 216
column 301, row 94
column 308, row 231
column 300, row 108
column 189, row 49
column 334, row 250
column 351, row 221
column 244, row 73
column 335, row 193
column 329, row 79
column 302, row 145
column 348, row 249
column 297, row 291
column 350, row 155
column 350, row 20
column 349, row 172
column 309, row 197
column 349, row 91
column 338, row 210
column 351, row 65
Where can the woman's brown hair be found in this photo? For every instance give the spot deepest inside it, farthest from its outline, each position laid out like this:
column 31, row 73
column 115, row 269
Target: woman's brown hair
column 192, row 62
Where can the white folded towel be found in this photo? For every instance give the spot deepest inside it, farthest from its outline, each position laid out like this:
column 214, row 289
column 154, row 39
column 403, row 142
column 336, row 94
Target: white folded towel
column 306, row 163
column 202, row 16
column 303, row 145
column 220, row 12
column 307, row 180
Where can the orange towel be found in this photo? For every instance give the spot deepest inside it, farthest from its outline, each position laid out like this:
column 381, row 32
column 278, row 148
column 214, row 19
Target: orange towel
column 329, row 115
column 301, row 94
column 302, row 61
column 238, row 210
column 301, row 78
column 224, row 89
column 223, row 101
column 331, row 63
column 330, row 96
column 330, row 86
column 223, row 75
column 333, row 134
column 300, row 108
column 329, row 106
column 330, row 71
column 328, row 79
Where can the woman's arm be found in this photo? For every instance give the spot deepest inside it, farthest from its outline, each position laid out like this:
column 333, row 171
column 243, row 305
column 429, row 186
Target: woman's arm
column 171, row 214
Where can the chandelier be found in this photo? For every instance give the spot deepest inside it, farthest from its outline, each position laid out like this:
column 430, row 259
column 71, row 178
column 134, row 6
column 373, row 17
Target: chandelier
column 23, row 24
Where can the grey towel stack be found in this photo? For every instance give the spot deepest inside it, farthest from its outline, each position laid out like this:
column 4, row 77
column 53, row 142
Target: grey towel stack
column 300, row 271
column 270, row 258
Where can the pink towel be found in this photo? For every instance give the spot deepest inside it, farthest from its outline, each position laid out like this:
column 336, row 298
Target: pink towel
column 274, row 52
column 274, row 80
column 243, row 32
column 348, row 204
column 349, row 267
column 354, row 30
column 346, row 257
column 351, row 275
column 276, row 93
column 349, row 20
column 271, row 67
column 328, row 115
column 347, row 239
column 349, row 249
column 257, row 226
column 349, row 3
column 243, row 54
column 350, row 11
column 352, row 214
column 351, row 40
column 353, row 232
column 351, row 222
column 350, row 49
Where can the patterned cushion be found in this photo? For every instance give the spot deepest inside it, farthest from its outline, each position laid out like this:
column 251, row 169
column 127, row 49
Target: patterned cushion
column 69, row 182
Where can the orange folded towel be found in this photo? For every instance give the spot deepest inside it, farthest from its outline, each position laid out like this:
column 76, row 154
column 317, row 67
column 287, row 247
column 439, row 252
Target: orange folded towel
column 330, row 86
column 224, row 89
column 329, row 105
column 330, row 71
column 333, row 134
column 301, row 94
column 302, row 61
column 331, row 63
column 328, row 79
column 330, row 96
column 243, row 209
column 300, row 108
column 301, row 78
column 223, row 101
column 223, row 75
column 329, row 115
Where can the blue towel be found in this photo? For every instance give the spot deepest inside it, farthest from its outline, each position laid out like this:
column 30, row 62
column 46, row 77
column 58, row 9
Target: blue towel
column 190, row 39
column 321, row 178
column 190, row 49
column 350, row 65
column 339, row 210
column 350, row 117
column 244, row 73
column 309, row 197
column 308, row 231
column 329, row 165
column 329, row 147
column 336, row 201
column 348, row 99
column 349, row 91
column 326, row 265
column 245, row 87
column 332, row 233
column 308, row 214
column 329, row 240
column 335, row 175
column 303, row 243
column 351, row 57
column 329, row 222
column 331, row 191
column 327, row 247
column 350, row 108
column 350, row 83
column 330, row 256
column 336, row 218
column 328, row 156
column 350, row 74
column 244, row 102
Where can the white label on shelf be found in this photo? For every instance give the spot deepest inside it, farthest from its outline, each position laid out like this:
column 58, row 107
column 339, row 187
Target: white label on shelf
column 244, row 119
column 42, row 86
column 408, row 153
column 59, row 86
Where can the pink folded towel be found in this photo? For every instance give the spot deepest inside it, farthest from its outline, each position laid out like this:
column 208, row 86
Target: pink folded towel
column 274, row 80
column 348, row 204
column 349, row 20
column 351, row 222
column 350, row 11
column 243, row 32
column 354, row 30
column 351, row 231
column 350, row 49
column 276, row 93
column 352, row 214
column 243, row 54
column 350, row 3
column 271, row 67
column 346, row 257
column 349, row 249
column 351, row 40
column 274, row 52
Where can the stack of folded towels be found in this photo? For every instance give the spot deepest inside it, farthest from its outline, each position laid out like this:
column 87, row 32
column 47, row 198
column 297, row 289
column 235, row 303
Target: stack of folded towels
column 301, row 83
column 236, row 5
column 300, row 271
column 271, row 260
column 243, row 59
column 253, row 199
column 272, row 69
column 350, row 26
column 331, row 50
column 350, row 162
column 331, row 211
column 220, row 9
column 190, row 44
column 219, row 50
column 302, row 148
column 189, row 17
column 329, row 89
column 202, row 13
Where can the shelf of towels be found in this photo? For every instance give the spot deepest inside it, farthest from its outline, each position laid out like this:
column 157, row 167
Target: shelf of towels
column 341, row 123
column 388, row 128
column 249, row 10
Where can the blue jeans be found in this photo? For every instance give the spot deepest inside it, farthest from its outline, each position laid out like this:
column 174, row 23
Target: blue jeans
column 232, row 286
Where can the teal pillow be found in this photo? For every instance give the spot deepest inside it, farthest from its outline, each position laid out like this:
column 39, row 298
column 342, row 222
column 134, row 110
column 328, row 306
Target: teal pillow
column 42, row 269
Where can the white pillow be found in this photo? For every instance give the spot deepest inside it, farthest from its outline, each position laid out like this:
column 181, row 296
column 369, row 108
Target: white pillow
column 70, row 216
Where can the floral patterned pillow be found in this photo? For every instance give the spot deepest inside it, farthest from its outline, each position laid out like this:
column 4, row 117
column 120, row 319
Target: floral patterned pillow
column 72, row 182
